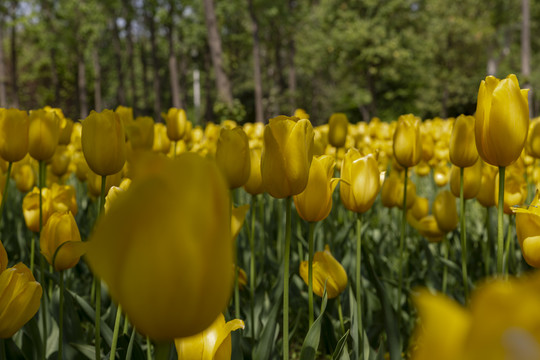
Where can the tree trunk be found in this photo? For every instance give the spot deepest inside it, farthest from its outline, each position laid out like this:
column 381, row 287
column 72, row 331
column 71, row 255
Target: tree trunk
column 81, row 85
column 214, row 42
column 14, row 75
column 259, row 117
column 155, row 63
column 3, row 97
column 146, row 83
column 526, row 49
column 133, row 98
column 97, row 79
column 292, row 67
column 173, row 64
column 121, row 91
column 51, row 26
column 208, row 100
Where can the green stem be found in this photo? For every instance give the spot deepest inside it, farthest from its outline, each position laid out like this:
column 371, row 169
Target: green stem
column 61, row 316
column 41, row 182
column 32, row 252
column 252, row 278
column 401, row 242
column 486, row 245
column 286, row 255
column 359, row 281
column 310, row 272
column 162, row 351
column 236, row 293
column 507, row 246
column 115, row 332
column 97, row 344
column 279, row 227
column 148, row 349
column 126, row 325
column 5, row 193
column 445, row 268
column 463, row 235
column 500, row 234
column 340, row 314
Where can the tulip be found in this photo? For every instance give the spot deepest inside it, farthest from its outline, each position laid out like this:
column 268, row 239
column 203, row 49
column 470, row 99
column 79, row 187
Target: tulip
column 3, row 258
column 315, row 202
column 60, row 161
column 81, row 166
column 103, row 142
column 254, row 185
column 112, row 195
column 337, row 129
column 141, row 133
column 326, row 271
column 232, row 156
column 427, row 227
column 14, row 126
column 43, row 135
column 214, row 343
column 182, row 205
column 66, row 128
column 390, row 190
column 161, row 141
column 286, row 157
column 533, row 139
column 58, row 241
column 445, row 211
column 502, row 120
column 125, row 114
column 420, row 208
column 20, row 295
column 472, row 178
column 63, row 198
column 301, row 114
column 528, row 231
column 24, row 178
column 361, row 183
column 515, row 191
column 463, row 151
column 407, row 143
column 238, row 215
column 176, row 121
column 30, row 207
column 441, row 174
column 487, row 194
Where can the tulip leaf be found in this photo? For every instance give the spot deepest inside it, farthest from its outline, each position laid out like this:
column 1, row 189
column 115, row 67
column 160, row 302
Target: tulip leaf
column 86, row 350
column 264, row 347
column 311, row 342
column 341, row 352
column 354, row 322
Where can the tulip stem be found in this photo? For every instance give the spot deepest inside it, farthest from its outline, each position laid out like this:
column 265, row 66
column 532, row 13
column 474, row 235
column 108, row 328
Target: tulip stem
column 507, row 246
column 463, row 235
column 310, row 272
column 61, row 316
column 148, row 348
column 340, row 314
column 32, row 252
column 97, row 343
column 359, row 282
column 401, row 242
column 41, row 182
column 500, row 235
column 286, row 255
column 445, row 268
column 126, row 325
column 4, row 194
column 252, row 279
column 115, row 332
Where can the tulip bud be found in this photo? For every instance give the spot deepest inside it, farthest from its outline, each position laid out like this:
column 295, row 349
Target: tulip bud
column 390, row 190
column 60, row 228
column 361, row 181
column 65, row 132
column 125, row 114
column 183, row 206
column 407, row 141
column 30, row 207
column 254, row 183
column 472, row 178
column 60, row 161
column 326, row 271
column 445, row 211
column 161, row 141
column 337, row 129
column 486, row 195
column 24, row 177
column 20, row 296
column 528, row 230
column 411, row 193
column 286, row 157
column 103, row 142
column 315, row 202
column 14, row 126
column 515, row 191
column 502, row 120
column 232, row 156
column 420, row 208
column 463, row 151
column 212, row 343
column 533, row 139
column 176, row 121
column 43, row 135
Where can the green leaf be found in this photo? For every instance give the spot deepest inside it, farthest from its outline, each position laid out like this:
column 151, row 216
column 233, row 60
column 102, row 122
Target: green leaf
column 264, row 347
column 106, row 332
column 311, row 342
column 342, row 352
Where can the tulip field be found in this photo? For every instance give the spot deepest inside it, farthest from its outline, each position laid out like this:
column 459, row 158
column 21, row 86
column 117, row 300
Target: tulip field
column 126, row 238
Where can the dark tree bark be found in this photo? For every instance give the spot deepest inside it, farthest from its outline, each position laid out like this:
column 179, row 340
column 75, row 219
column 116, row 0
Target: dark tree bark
column 292, row 67
column 257, row 79
column 133, row 98
column 47, row 10
column 97, row 79
column 155, row 62
column 173, row 64
column 81, row 85
column 121, row 91
column 526, row 49
column 214, row 42
column 208, row 100
column 146, row 83
column 3, row 96
column 14, row 73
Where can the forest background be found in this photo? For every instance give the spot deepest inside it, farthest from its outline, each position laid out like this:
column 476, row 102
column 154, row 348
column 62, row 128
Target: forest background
column 253, row 59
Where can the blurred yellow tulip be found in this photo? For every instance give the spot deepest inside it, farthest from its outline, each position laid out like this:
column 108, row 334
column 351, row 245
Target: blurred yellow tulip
column 61, row 228
column 327, row 271
column 445, row 211
column 338, row 126
column 502, row 120
column 43, row 135
column 24, row 177
column 214, row 343
column 427, row 227
column 286, row 156
column 420, row 208
column 63, row 198
column 174, row 219
column 361, row 181
column 486, row 196
column 161, row 140
column 515, row 191
column 533, row 139
column 390, row 190
column 463, row 151
column 176, row 121
column 125, row 114
column 254, row 183
column 14, row 125
column 141, row 133
column 528, row 230
column 30, row 207
column 472, row 179
column 407, row 143
column 60, row 161
column 233, row 156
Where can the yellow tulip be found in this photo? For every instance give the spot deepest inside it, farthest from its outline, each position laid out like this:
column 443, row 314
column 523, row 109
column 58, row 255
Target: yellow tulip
column 112, row 195
column 20, row 296
column 61, row 228
column 14, row 126
column 233, row 156
column 528, row 231
column 24, row 177
column 533, row 139
column 3, row 258
column 337, row 129
column 125, row 114
column 60, row 161
column 103, row 142
column 486, row 196
column 161, row 140
column 94, row 183
column 175, row 278
column 286, row 156
column 237, row 220
column 141, row 133
column 30, row 207
column 420, row 208
column 326, row 271
column 361, row 181
column 411, row 193
column 81, row 166
column 502, row 120
column 254, row 183
column 66, row 129
column 63, row 198
column 463, row 151
column 472, row 178
column 407, row 143
column 390, row 190
column 43, row 134
column 427, row 227
column 301, row 114
column 214, row 343
column 515, row 191
column 315, row 202
column 176, row 121
column 441, row 174
column 445, row 211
